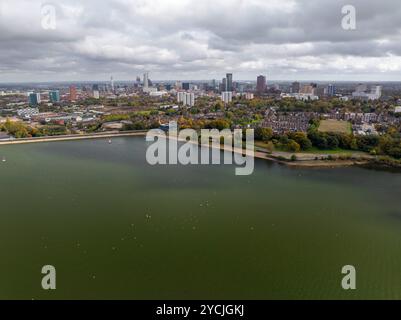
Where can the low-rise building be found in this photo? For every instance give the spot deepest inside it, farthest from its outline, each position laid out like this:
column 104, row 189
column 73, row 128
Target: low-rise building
column 300, row 96
column 112, row 125
column 27, row 113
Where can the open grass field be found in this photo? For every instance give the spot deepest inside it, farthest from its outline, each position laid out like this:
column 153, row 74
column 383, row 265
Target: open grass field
column 337, row 151
column 335, row 126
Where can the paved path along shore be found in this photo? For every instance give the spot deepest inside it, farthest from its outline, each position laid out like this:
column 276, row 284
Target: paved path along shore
column 73, row 137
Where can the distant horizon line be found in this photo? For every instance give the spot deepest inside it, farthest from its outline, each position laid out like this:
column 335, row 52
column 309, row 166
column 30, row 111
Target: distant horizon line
column 192, row 80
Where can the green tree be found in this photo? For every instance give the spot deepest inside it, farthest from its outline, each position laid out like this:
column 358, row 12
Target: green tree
column 293, row 146
column 332, row 141
column 270, row 147
column 263, row 134
column 302, row 139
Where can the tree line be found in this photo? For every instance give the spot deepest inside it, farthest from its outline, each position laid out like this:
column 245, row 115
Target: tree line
column 387, row 144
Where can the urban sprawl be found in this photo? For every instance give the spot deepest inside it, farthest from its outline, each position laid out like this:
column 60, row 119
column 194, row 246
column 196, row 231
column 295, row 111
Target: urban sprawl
column 288, row 117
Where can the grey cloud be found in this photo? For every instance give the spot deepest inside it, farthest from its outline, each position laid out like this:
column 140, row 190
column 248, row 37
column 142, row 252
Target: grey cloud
column 178, row 39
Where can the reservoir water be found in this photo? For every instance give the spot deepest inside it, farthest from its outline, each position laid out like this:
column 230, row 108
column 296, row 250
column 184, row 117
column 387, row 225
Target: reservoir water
column 117, row 228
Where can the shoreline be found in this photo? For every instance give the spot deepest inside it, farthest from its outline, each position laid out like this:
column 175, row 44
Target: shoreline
column 72, row 137
column 315, row 163
column 257, row 154
column 336, row 163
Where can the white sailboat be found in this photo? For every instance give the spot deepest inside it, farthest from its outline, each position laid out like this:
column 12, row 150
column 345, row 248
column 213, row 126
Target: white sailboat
column 4, row 159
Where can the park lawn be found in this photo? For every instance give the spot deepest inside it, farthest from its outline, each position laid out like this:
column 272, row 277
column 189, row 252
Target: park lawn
column 260, row 144
column 315, row 150
column 337, row 126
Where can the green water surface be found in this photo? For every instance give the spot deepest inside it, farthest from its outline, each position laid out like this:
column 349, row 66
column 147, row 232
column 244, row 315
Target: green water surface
column 117, row 228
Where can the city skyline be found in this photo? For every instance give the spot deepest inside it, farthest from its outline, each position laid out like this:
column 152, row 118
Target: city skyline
column 269, row 82
column 286, row 40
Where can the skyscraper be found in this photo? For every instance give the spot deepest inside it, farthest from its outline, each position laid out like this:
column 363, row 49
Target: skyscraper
column 146, row 80
column 229, row 85
column 213, row 85
column 54, row 96
column 295, row 87
column 185, row 85
column 73, row 93
column 223, row 85
column 261, row 84
column 112, row 83
column 33, row 98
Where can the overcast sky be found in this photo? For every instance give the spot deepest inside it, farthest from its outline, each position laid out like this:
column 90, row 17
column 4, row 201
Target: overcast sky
column 204, row 39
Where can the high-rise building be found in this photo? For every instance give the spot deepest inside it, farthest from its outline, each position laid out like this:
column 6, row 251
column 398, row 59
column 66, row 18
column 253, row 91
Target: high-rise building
column 229, row 84
column 213, row 85
column 96, row 94
column 33, row 98
column 330, row 90
column 112, row 83
column 227, row 96
column 146, row 80
column 223, row 85
column 295, row 87
column 261, row 84
column 187, row 98
column 180, row 96
column 307, row 89
column 319, row 91
column 54, row 96
column 185, row 86
column 73, row 93
column 376, row 90
column 362, row 92
column 178, row 85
